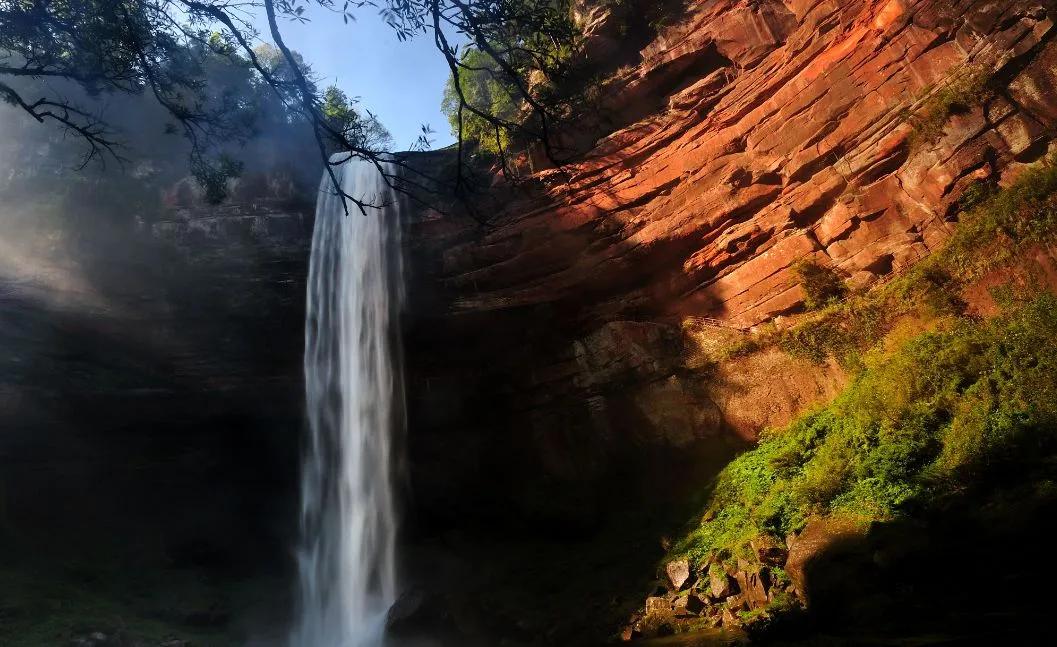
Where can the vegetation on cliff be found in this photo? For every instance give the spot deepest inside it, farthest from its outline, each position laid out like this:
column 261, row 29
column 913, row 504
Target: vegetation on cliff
column 502, row 84
column 996, row 228
column 535, row 74
column 927, row 415
column 966, row 87
column 947, row 407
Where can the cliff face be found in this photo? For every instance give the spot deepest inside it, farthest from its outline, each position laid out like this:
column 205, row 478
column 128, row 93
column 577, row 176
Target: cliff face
column 151, row 383
column 562, row 372
column 561, row 342
column 798, row 143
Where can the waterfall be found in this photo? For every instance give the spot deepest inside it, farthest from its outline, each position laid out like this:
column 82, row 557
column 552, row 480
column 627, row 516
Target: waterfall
column 354, row 401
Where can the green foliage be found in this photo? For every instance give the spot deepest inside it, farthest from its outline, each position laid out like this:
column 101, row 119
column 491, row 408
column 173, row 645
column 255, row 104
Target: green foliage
column 967, row 87
column 998, row 228
column 841, row 330
column 977, row 193
column 336, row 107
column 342, row 117
column 947, row 407
column 930, row 417
column 213, row 175
column 483, row 88
column 531, row 53
column 821, row 284
column 194, row 64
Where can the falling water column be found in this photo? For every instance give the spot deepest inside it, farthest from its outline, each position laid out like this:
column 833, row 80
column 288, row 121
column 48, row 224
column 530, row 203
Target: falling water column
column 348, row 520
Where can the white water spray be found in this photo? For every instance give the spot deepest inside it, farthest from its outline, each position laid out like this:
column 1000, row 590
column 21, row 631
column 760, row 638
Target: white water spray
column 348, row 520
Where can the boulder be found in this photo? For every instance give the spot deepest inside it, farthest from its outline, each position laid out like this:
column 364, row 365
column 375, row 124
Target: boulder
column 404, row 610
column 420, row 612
column 753, row 583
column 769, row 550
column 632, row 630
column 687, row 605
column 659, row 619
column 737, row 603
column 678, row 573
column 729, row 620
column 821, row 535
column 657, row 604
column 719, row 583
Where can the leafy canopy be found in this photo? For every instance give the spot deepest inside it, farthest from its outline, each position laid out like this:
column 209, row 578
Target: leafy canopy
column 159, row 47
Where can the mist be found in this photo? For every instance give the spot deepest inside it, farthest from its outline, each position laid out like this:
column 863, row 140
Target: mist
column 150, row 344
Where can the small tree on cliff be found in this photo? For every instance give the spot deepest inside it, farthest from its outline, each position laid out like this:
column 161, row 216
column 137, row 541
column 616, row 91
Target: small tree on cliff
column 821, row 284
column 343, row 117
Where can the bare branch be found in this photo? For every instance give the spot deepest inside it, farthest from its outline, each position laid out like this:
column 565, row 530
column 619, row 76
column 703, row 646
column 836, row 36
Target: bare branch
column 72, row 119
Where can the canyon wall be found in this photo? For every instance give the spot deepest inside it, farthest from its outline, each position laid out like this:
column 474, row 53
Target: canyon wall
column 151, row 384
column 565, row 347
column 566, row 367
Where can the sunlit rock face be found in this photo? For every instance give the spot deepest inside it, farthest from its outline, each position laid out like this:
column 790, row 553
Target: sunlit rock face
column 553, row 348
column 800, row 145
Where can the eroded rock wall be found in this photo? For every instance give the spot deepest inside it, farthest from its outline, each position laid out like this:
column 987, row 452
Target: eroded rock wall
column 151, row 381
column 552, row 347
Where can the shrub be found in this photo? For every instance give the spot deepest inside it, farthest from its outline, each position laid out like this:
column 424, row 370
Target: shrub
column 995, row 230
column 967, row 87
column 822, row 285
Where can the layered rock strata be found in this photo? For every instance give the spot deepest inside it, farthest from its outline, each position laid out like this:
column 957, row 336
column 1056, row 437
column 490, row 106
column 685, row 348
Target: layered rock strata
column 559, row 343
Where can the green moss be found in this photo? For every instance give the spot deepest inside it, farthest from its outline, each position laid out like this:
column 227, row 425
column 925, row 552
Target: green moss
column 913, row 425
column 993, row 233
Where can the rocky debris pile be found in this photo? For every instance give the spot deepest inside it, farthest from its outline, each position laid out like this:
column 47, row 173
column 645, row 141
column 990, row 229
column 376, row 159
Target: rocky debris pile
column 721, row 591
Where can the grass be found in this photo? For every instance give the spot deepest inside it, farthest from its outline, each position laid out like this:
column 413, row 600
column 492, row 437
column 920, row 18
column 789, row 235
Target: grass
column 927, row 413
column 944, row 409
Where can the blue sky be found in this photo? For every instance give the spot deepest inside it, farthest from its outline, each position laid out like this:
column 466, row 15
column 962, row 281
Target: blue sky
column 401, row 83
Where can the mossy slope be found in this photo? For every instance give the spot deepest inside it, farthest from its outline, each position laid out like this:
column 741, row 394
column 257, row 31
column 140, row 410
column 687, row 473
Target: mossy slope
column 925, row 417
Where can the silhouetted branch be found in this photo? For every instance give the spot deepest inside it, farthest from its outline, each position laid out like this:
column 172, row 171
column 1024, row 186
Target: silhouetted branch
column 71, row 118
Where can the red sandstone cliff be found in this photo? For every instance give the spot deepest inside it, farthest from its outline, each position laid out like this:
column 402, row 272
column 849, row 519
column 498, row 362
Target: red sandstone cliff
column 799, row 146
column 552, row 348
